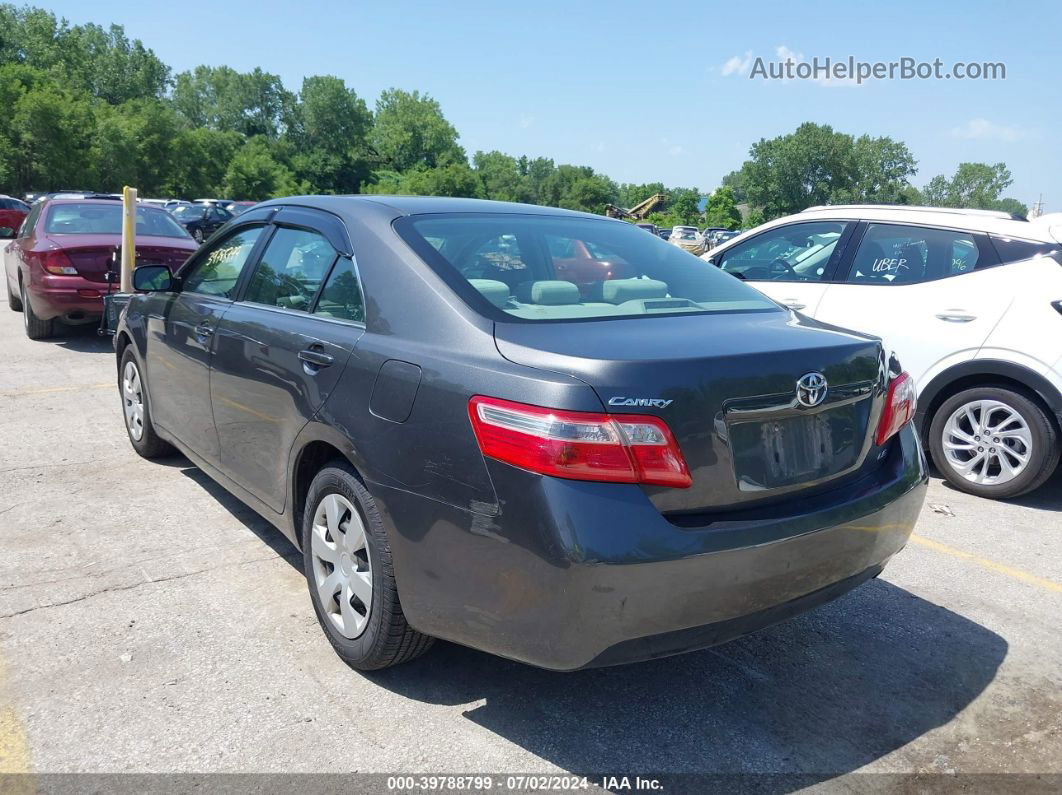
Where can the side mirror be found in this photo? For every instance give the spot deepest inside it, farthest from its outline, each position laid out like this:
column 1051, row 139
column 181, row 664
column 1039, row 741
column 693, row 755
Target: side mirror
column 153, row 279
column 7, row 233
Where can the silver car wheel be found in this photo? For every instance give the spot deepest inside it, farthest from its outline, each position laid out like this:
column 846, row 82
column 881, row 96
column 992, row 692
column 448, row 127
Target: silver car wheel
column 341, row 567
column 133, row 400
column 987, row 442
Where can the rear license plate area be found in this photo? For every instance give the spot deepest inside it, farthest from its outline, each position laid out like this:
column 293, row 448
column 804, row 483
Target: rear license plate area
column 771, row 454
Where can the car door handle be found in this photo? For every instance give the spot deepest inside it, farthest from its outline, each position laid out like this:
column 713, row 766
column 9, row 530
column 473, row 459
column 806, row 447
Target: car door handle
column 203, row 331
column 956, row 316
column 316, row 356
column 793, row 303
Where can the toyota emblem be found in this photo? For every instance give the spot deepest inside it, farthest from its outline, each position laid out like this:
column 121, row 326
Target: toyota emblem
column 811, row 389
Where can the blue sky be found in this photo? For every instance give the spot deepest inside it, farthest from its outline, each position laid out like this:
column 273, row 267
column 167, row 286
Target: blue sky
column 643, row 92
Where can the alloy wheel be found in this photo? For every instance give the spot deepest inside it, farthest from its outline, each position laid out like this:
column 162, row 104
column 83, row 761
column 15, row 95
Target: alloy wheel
column 987, row 442
column 133, row 400
column 341, row 566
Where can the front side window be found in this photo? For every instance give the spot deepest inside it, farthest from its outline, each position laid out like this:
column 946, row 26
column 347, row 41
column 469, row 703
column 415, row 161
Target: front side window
column 217, row 269
column 791, row 253
column 546, row 268
column 291, row 270
column 106, row 219
column 898, row 254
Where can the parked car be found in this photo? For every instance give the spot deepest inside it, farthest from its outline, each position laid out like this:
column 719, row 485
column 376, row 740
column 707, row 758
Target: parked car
column 721, row 237
column 201, row 220
column 688, row 239
column 238, row 207
column 647, row 227
column 56, row 265
column 12, row 212
column 664, row 232
column 466, row 447
column 970, row 300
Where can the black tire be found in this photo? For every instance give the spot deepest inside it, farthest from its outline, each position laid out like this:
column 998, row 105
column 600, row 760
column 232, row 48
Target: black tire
column 149, row 445
column 387, row 639
column 36, row 329
column 1043, row 456
column 14, row 301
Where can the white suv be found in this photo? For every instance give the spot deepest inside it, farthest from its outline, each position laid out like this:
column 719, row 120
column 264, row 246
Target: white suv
column 969, row 300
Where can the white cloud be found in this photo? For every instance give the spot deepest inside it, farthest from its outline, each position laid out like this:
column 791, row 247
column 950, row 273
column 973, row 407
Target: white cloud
column 526, row 120
column 738, row 65
column 984, row 130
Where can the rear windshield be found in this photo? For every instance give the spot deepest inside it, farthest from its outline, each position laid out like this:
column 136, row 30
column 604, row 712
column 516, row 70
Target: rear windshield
column 543, row 268
column 102, row 219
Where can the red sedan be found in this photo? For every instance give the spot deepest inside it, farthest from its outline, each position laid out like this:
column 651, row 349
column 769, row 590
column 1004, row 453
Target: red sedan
column 56, row 265
column 12, row 212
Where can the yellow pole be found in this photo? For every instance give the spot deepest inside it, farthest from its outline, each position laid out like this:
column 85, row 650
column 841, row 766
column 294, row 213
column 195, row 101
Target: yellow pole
column 128, row 237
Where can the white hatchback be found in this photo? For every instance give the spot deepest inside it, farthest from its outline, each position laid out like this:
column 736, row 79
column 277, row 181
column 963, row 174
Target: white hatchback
column 970, row 301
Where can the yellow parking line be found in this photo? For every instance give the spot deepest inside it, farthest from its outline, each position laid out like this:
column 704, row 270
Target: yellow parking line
column 50, row 389
column 14, row 746
column 999, row 568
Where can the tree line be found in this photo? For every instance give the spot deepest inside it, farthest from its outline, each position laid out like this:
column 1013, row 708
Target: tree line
column 83, row 106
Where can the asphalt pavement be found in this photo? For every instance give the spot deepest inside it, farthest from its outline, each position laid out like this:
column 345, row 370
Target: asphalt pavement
column 151, row 623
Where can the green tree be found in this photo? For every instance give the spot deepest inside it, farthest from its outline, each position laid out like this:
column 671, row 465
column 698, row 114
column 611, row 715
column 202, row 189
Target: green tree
column 255, row 172
column 329, row 127
column 722, row 210
column 411, row 131
column 452, row 179
column 501, row 177
column 816, row 165
column 221, row 98
column 974, row 185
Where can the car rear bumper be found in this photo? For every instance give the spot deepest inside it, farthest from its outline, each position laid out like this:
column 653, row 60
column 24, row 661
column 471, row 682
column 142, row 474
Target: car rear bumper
column 69, row 298
column 568, row 574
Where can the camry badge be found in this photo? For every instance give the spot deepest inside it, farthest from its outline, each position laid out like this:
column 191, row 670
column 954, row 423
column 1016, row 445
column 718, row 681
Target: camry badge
column 811, row 389
column 658, row 403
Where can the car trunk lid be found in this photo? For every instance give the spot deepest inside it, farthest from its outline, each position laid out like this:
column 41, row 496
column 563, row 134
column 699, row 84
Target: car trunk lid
column 726, row 384
column 92, row 256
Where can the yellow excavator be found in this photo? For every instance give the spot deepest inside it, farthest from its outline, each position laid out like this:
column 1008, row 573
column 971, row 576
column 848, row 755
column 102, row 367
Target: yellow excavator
column 638, row 211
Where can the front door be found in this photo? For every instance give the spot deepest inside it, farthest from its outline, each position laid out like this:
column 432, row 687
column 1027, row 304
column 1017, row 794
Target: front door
column 180, row 340
column 279, row 352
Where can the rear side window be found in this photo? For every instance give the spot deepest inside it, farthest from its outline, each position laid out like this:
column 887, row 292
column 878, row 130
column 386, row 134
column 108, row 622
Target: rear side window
column 341, row 297
column 552, row 268
column 1012, row 250
column 899, row 254
column 291, row 270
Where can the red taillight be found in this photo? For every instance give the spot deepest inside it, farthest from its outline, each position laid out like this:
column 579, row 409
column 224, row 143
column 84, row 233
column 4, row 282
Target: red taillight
column 899, row 407
column 58, row 263
column 616, row 448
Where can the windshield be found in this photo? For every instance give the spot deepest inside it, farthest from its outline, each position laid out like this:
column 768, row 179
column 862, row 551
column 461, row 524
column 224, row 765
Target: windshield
column 189, row 212
column 544, row 268
column 101, row 219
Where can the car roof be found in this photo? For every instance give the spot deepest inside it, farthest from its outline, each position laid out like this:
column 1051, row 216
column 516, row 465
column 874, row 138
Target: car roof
column 421, row 205
column 990, row 221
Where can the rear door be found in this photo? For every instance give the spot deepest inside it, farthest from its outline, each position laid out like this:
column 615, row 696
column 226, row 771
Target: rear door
column 932, row 294
column 791, row 263
column 281, row 348
column 181, row 337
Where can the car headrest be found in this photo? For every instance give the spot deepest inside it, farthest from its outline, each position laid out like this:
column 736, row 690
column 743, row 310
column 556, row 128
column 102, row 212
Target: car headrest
column 495, row 292
column 548, row 293
column 616, row 291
